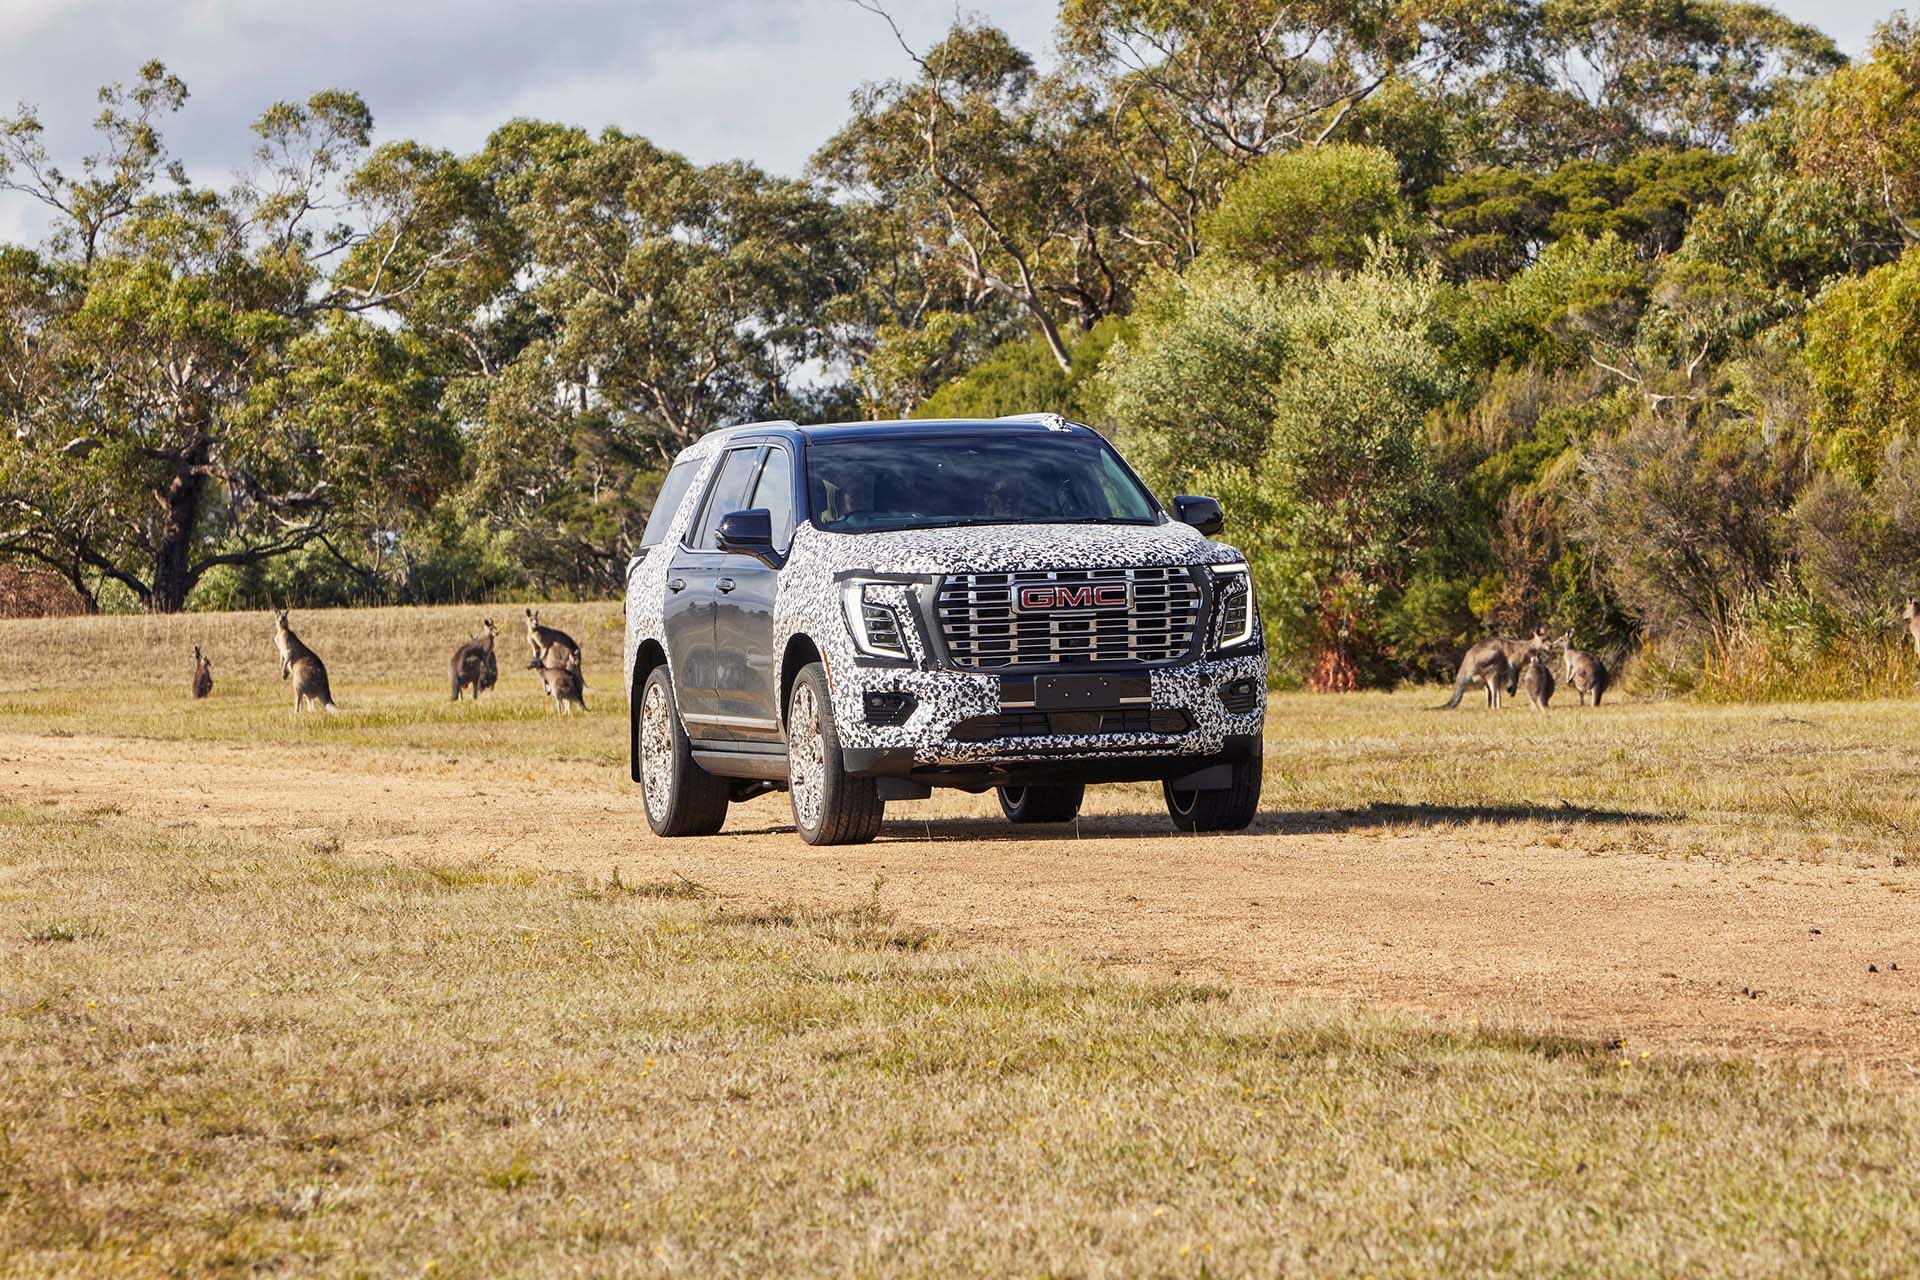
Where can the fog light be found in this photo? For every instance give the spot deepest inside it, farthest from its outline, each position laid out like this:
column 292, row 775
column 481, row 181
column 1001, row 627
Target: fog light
column 890, row 707
column 1240, row 696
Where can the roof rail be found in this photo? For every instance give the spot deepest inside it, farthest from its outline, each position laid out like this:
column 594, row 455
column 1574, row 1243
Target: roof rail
column 749, row 426
column 1054, row 420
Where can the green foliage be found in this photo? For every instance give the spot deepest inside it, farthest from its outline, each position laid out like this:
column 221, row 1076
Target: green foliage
column 1021, row 376
column 189, row 397
column 1492, row 219
column 1863, row 356
column 1684, row 510
column 1324, row 206
column 1858, row 548
column 1301, row 404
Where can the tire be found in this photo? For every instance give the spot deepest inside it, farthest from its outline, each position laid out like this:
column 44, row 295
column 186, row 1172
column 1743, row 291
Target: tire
column 682, row 798
column 829, row 805
column 1041, row 804
column 1231, row 808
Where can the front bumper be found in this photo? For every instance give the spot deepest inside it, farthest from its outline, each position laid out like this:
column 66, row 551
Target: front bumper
column 976, row 729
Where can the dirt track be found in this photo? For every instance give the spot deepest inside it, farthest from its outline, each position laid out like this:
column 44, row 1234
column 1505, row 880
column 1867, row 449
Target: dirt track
column 1508, row 923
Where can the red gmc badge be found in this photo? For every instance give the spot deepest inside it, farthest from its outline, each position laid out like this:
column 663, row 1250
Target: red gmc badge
column 1090, row 595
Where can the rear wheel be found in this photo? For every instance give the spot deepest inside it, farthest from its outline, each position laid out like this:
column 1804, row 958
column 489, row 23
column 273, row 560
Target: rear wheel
column 829, row 805
column 1228, row 808
column 1041, row 804
column 682, row 798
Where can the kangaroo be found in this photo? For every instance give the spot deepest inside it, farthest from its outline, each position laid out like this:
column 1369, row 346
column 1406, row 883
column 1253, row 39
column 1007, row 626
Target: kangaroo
column 303, row 666
column 202, row 674
column 474, row 665
column 562, row 683
column 541, row 639
column 1495, row 663
column 1586, row 673
column 1537, row 676
column 1912, row 615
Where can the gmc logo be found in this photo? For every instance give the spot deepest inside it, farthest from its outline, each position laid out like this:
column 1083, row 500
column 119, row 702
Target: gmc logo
column 1105, row 595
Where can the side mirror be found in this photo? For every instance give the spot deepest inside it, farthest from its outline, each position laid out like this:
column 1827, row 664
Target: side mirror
column 1203, row 514
column 747, row 533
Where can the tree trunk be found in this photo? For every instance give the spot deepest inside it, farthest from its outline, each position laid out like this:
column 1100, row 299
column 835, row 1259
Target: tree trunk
column 173, row 573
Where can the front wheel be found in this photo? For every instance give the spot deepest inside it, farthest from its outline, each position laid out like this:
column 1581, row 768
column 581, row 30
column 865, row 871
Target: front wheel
column 1228, row 808
column 830, row 806
column 682, row 798
column 1041, row 804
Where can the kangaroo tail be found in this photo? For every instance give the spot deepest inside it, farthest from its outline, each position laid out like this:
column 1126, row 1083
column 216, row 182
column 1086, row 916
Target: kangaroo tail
column 1459, row 692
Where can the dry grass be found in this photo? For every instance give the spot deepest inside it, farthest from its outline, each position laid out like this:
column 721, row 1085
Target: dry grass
column 1819, row 781
column 224, row 1057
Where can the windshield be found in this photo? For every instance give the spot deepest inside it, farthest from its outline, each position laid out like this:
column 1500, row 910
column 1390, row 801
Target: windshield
column 924, row 482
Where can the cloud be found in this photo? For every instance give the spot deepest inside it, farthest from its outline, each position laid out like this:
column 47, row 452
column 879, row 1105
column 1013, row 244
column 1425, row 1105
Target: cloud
column 764, row 80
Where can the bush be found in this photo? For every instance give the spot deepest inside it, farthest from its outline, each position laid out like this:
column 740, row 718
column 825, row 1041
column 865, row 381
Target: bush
column 1302, row 404
column 1320, row 206
column 1022, row 376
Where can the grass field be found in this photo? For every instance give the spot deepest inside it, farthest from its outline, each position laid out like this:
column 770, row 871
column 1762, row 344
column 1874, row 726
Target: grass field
column 234, row 1050
column 1811, row 781
column 225, row 1057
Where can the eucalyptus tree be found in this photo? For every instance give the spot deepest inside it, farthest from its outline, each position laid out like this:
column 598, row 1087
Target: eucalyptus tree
column 193, row 388
column 622, row 302
column 1002, row 175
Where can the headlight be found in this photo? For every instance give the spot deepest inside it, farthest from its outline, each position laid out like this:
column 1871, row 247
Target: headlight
column 1232, row 605
column 874, row 624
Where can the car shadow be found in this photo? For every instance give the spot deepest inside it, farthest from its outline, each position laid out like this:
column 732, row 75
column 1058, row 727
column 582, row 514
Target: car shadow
column 903, row 827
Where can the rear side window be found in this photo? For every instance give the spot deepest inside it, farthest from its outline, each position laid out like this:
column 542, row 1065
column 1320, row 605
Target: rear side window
column 673, row 491
column 726, row 495
column 775, row 493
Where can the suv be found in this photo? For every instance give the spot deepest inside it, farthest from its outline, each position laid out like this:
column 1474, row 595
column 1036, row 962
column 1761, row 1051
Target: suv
column 863, row 612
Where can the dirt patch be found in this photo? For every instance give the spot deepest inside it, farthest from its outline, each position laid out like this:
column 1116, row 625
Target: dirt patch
column 1572, row 927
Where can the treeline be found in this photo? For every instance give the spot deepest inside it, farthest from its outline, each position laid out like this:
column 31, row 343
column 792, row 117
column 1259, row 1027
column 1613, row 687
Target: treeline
column 1479, row 314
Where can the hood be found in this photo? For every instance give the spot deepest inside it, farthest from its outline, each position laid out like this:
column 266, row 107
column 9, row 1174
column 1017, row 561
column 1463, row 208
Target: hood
column 1004, row 548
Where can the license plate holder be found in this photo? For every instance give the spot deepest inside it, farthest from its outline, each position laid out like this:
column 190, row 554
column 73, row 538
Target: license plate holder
column 1091, row 692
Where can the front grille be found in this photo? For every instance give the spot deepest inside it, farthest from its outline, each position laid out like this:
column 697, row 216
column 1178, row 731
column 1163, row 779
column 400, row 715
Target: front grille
column 983, row 630
column 1040, row 724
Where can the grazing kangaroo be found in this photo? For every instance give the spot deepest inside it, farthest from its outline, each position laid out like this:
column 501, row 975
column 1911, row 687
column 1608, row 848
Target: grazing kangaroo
column 1537, row 678
column 474, row 665
column 202, row 674
column 1586, row 673
column 562, row 683
column 303, row 666
column 541, row 639
column 1495, row 663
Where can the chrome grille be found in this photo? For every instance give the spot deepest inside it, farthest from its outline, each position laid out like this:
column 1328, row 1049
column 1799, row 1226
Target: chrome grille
column 983, row 630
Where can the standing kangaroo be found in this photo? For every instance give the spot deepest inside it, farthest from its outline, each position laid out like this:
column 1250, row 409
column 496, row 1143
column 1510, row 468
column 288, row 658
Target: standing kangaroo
column 541, row 639
column 1912, row 615
column 303, row 666
column 562, row 682
column 1586, row 673
column 1495, row 663
column 202, row 674
column 474, row 665
column 1537, row 677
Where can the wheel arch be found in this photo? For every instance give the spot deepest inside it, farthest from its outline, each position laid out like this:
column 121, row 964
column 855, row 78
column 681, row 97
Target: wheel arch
column 800, row 651
column 645, row 658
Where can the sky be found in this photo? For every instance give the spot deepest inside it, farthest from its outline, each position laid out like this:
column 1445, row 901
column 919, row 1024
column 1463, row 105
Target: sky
column 763, row 80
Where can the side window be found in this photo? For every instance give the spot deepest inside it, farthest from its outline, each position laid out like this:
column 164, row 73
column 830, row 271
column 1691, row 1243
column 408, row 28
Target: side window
column 775, row 492
column 673, row 491
column 726, row 495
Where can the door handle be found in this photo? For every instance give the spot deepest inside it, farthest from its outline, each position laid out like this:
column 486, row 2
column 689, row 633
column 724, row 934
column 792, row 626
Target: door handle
column 676, row 584
column 723, row 585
